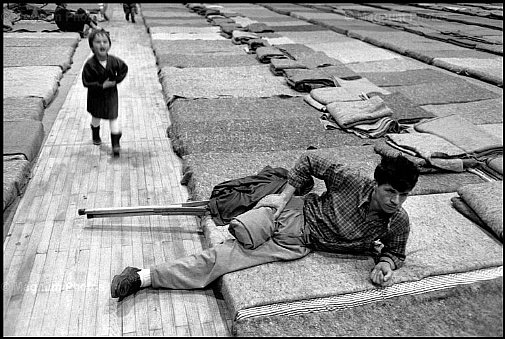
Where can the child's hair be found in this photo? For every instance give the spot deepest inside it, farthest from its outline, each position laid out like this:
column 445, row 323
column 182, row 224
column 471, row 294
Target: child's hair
column 397, row 171
column 96, row 32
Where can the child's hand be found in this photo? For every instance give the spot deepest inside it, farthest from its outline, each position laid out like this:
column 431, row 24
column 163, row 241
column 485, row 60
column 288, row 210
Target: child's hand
column 107, row 83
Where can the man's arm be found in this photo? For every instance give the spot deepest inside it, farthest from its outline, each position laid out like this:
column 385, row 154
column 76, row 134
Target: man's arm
column 393, row 254
column 309, row 165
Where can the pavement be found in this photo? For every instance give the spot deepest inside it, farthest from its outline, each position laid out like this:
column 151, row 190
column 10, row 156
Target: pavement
column 51, row 167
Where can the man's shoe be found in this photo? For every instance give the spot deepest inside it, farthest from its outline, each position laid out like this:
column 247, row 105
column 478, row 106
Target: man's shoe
column 126, row 283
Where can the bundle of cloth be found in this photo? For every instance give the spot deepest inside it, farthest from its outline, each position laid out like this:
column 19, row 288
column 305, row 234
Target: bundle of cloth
column 278, row 66
column 476, row 142
column 483, row 204
column 305, row 80
column 369, row 118
column 432, row 150
column 254, row 44
column 267, row 53
column 242, row 37
column 258, row 27
column 228, row 28
column 303, row 57
column 345, row 90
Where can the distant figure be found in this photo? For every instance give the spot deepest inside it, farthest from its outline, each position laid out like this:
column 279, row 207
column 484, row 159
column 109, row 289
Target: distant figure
column 130, row 9
column 102, row 9
column 70, row 21
column 101, row 74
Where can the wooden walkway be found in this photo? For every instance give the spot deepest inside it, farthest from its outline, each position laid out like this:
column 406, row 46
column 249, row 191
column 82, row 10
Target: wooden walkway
column 58, row 265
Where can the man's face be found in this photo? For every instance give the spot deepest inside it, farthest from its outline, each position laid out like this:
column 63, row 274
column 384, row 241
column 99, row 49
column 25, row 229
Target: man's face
column 389, row 199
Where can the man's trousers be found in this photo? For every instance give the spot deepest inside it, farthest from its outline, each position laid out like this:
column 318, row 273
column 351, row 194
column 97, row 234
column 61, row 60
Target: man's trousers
column 258, row 240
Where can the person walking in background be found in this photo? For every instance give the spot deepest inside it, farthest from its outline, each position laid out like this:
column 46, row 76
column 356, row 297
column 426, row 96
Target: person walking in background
column 101, row 74
column 70, row 21
column 130, row 9
column 102, row 11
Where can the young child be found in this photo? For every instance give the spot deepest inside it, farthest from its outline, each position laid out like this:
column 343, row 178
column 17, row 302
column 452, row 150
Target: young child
column 101, row 74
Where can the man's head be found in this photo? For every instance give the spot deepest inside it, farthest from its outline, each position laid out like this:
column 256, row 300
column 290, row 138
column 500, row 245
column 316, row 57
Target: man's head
column 99, row 42
column 395, row 177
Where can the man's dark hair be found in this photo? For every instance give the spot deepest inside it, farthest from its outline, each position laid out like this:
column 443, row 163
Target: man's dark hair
column 94, row 33
column 397, row 171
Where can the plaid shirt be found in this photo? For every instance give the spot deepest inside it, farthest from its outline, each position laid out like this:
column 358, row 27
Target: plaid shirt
column 339, row 219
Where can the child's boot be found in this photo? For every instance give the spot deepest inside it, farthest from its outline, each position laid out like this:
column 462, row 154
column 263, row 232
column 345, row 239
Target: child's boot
column 115, row 143
column 96, row 135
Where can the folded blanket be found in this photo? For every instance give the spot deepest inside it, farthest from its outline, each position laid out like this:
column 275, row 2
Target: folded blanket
column 228, row 28
column 318, row 59
column 404, row 110
column 435, row 150
column 427, row 145
column 253, row 44
column 384, row 149
column 469, row 137
column 378, row 128
column 327, row 95
column 486, row 200
column 241, row 37
column 277, row 66
column 258, row 27
column 305, row 80
column 295, row 50
column 265, row 54
column 359, row 86
column 351, row 113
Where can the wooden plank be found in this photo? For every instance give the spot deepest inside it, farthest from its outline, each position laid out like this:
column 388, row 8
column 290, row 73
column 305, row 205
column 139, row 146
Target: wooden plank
column 53, row 313
column 77, row 311
column 64, row 309
column 91, row 296
column 128, row 304
column 70, row 216
column 115, row 307
column 141, row 300
column 104, row 297
column 153, row 303
column 48, row 224
column 29, row 293
column 165, row 297
column 12, row 299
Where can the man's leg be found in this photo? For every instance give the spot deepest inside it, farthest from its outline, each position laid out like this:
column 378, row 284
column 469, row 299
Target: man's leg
column 199, row 270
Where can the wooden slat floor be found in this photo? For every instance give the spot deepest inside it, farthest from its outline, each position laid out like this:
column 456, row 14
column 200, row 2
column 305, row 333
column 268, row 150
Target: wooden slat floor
column 58, row 265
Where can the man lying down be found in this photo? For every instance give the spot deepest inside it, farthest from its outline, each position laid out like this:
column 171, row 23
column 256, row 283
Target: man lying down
column 353, row 215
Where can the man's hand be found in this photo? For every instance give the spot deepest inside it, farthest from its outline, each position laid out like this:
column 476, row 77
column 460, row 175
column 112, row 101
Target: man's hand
column 382, row 274
column 107, row 83
column 276, row 201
